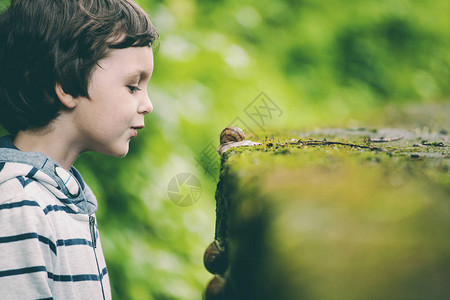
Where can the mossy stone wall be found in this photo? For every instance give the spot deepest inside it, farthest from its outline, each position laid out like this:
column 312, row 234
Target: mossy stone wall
column 337, row 214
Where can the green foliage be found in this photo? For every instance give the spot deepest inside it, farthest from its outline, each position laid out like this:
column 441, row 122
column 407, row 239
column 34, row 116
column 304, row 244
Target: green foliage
column 323, row 62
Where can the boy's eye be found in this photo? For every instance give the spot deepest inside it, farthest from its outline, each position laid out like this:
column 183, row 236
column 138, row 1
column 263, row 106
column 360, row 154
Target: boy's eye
column 133, row 89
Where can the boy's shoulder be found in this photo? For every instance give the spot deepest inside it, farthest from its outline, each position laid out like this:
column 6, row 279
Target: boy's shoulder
column 34, row 178
column 28, row 173
column 20, row 180
column 18, row 185
column 27, row 191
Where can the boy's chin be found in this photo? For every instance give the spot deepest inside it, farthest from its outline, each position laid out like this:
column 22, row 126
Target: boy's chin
column 122, row 155
column 120, row 152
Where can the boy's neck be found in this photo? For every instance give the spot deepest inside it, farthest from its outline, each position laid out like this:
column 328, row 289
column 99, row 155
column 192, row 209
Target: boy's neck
column 48, row 142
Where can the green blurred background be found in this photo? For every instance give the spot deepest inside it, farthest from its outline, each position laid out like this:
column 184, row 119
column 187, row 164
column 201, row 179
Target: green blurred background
column 323, row 62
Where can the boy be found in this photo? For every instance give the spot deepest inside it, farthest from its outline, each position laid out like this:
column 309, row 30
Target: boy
column 73, row 78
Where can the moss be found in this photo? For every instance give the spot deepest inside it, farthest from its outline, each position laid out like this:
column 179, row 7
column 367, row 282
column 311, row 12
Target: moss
column 302, row 216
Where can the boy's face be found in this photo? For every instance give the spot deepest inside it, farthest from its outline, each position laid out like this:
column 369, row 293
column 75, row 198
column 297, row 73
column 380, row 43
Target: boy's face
column 118, row 91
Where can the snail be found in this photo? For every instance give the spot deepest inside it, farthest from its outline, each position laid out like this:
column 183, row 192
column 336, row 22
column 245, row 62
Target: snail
column 231, row 134
column 233, row 137
column 218, row 289
column 215, row 260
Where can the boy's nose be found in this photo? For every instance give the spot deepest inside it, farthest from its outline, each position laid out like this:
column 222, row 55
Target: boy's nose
column 146, row 106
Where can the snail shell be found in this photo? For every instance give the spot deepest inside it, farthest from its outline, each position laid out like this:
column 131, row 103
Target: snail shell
column 232, row 134
column 218, row 289
column 215, row 259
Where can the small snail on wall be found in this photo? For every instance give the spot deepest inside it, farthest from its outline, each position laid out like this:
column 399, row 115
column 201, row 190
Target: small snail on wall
column 232, row 134
column 215, row 259
column 218, row 289
column 232, row 137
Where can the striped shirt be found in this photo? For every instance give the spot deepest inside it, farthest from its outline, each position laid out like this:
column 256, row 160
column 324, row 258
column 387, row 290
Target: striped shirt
column 49, row 242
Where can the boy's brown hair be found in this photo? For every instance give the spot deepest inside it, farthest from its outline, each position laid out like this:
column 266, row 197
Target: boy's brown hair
column 45, row 42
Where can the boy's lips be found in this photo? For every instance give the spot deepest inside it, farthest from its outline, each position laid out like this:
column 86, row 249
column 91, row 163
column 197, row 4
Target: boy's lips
column 135, row 129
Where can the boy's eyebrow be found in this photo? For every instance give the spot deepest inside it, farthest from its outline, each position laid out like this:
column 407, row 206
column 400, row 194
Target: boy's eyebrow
column 142, row 74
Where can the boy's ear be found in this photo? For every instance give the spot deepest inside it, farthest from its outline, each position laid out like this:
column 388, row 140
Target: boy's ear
column 66, row 99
